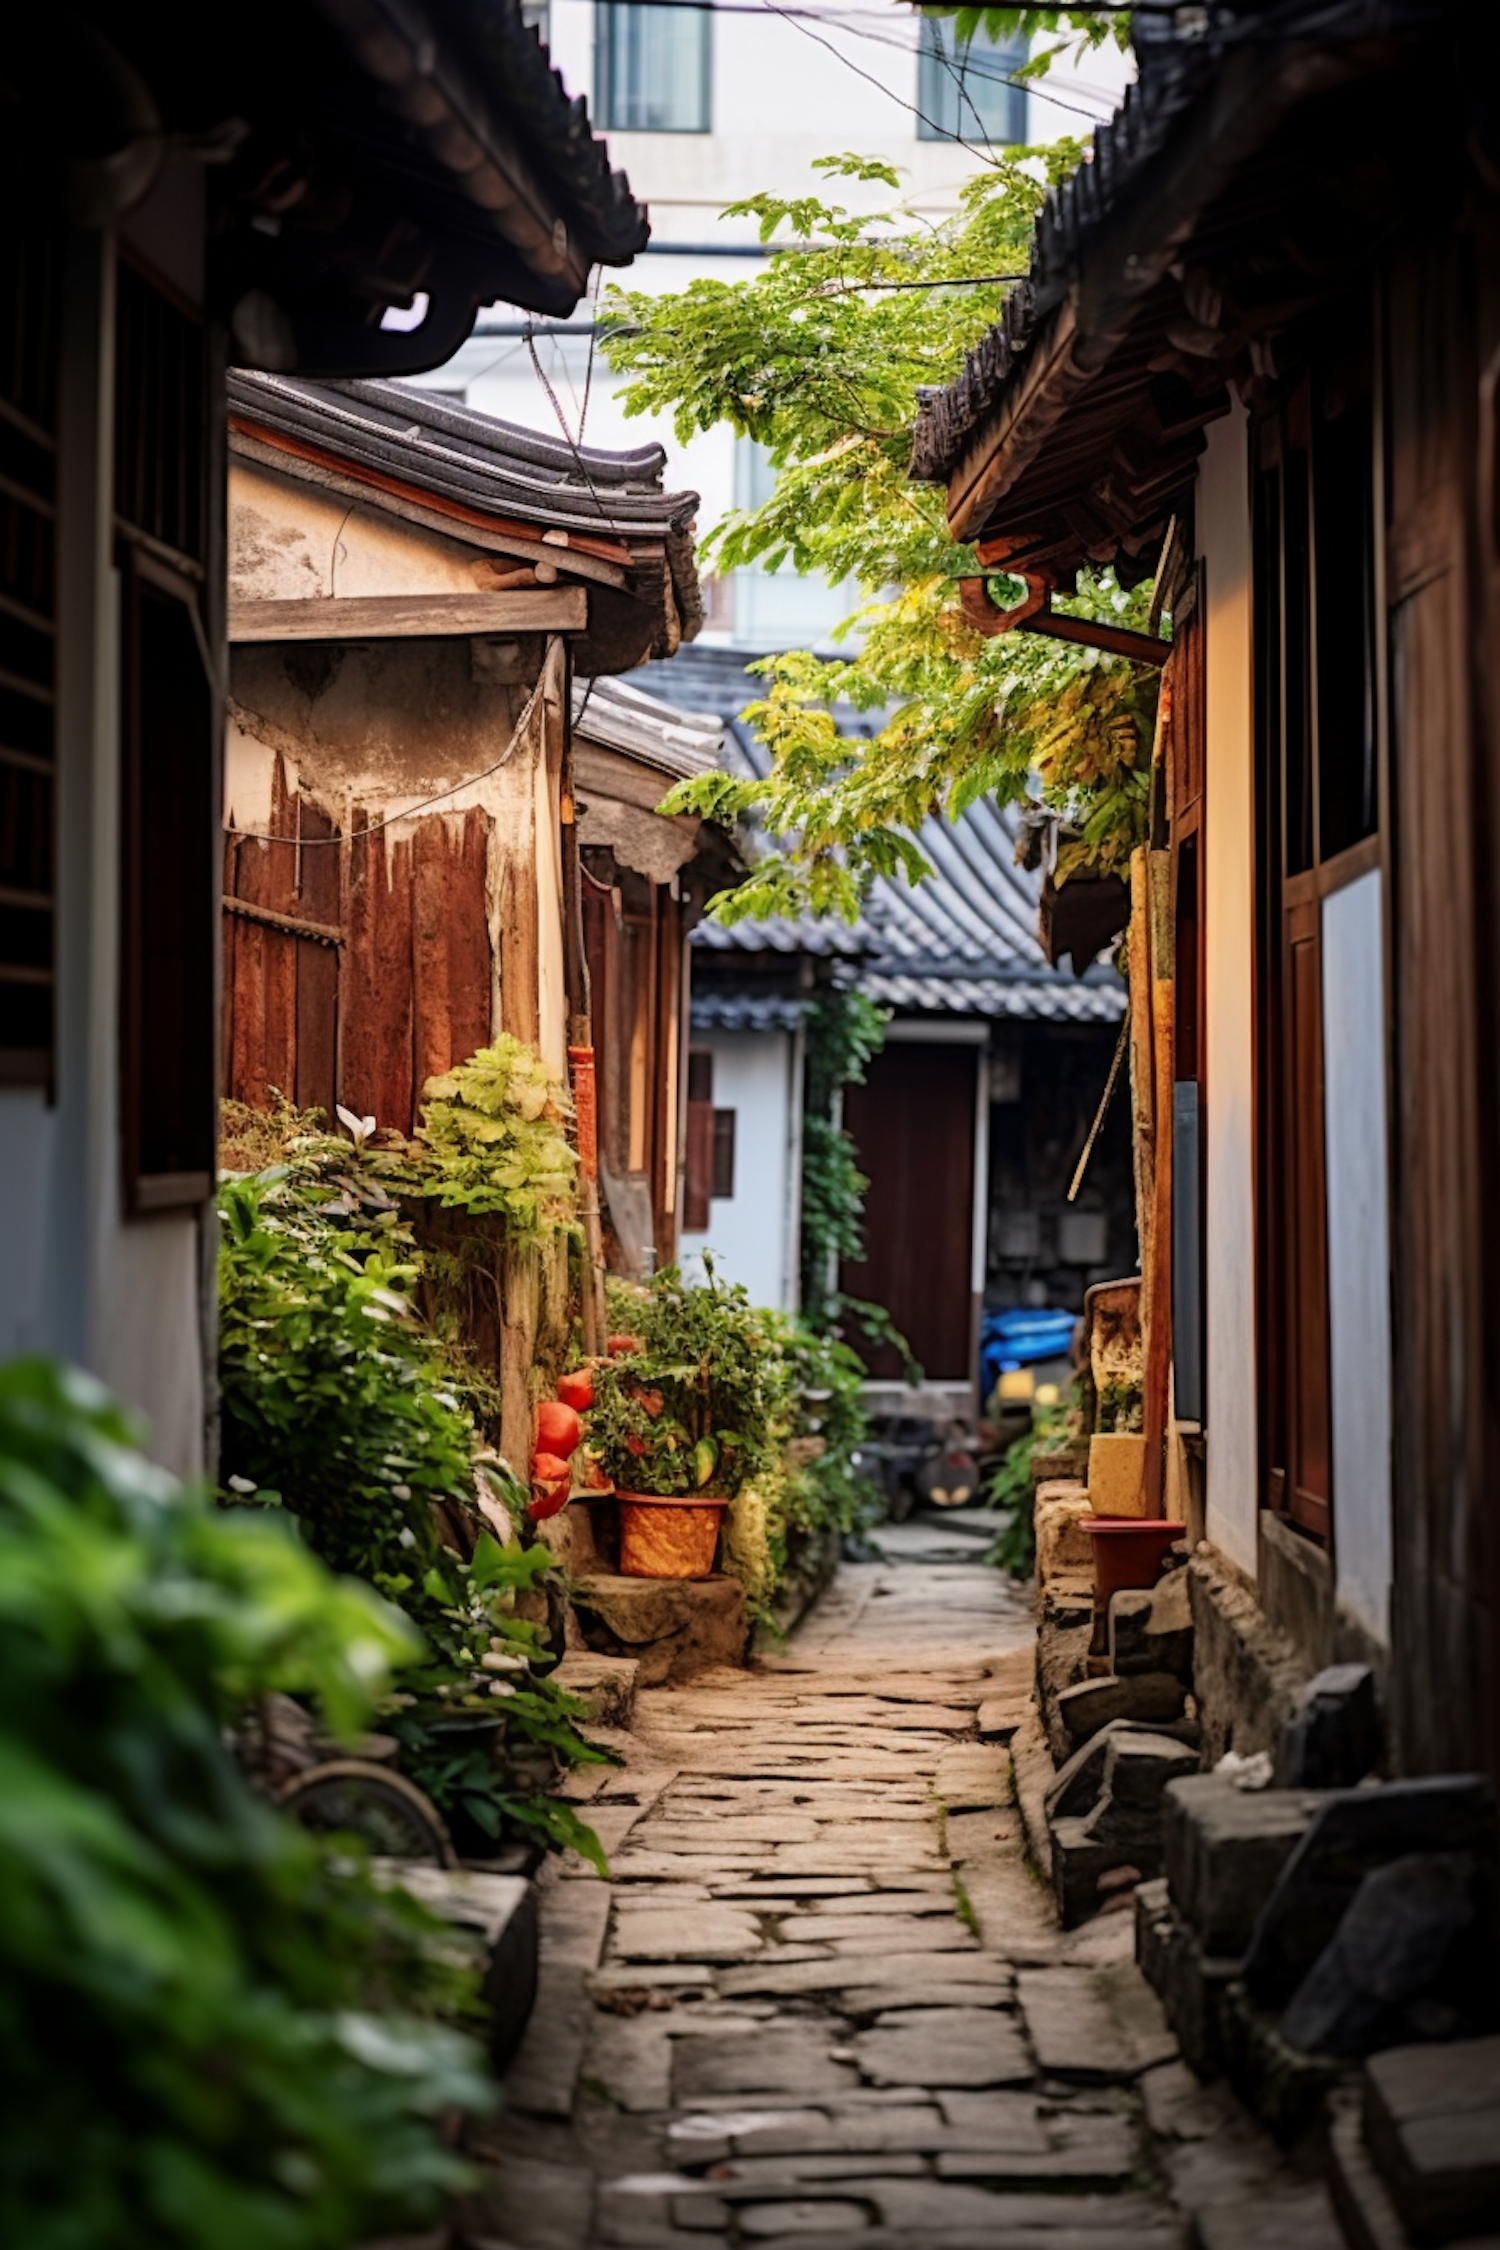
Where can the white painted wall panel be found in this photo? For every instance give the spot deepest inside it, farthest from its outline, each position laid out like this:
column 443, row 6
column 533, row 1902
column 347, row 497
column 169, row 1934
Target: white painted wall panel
column 1354, row 1066
column 1223, row 518
column 751, row 1232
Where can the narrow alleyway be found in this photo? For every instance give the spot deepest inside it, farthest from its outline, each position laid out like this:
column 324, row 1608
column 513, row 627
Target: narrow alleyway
column 823, row 1999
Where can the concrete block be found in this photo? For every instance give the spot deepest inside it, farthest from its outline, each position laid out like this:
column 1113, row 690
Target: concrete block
column 1354, row 1832
column 501, row 1913
column 1223, row 1850
column 1333, row 1738
column 1407, row 1959
column 1091, row 1704
column 1152, row 1631
column 1189, row 1983
column 1432, row 2125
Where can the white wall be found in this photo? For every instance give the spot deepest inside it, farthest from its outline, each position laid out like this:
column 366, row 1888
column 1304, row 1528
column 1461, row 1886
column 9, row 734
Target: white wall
column 753, row 1233
column 77, row 1280
column 1223, row 519
column 1354, row 1076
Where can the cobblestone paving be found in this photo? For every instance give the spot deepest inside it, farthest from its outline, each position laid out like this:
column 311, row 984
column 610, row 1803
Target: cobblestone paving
column 823, row 2001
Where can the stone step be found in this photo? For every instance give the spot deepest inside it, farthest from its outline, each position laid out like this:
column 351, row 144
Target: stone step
column 1361, row 2199
column 500, row 1913
column 607, row 1684
column 1431, row 2121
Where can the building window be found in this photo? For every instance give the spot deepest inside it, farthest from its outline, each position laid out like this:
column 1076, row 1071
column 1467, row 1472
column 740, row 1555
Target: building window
column 652, row 68
column 782, row 607
column 965, row 87
column 29, row 376
column 171, row 734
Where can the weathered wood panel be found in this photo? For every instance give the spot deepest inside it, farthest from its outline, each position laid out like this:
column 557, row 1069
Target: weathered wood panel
column 321, row 900
column 376, row 998
column 451, row 953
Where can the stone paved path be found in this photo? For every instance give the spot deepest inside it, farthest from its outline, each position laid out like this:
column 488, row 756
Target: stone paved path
column 822, row 2001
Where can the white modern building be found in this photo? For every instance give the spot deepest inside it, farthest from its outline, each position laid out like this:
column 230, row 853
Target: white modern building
column 706, row 104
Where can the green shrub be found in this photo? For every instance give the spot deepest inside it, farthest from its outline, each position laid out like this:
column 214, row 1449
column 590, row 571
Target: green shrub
column 705, row 1404
column 340, row 1405
column 215, row 2038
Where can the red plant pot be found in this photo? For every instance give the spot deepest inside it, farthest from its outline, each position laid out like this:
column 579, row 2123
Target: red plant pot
column 1128, row 1552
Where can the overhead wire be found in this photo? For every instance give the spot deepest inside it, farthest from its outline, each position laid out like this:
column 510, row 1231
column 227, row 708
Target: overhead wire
column 409, row 812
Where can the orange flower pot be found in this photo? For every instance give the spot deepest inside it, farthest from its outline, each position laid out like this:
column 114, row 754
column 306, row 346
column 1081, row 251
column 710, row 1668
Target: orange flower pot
column 675, row 1537
column 1128, row 1552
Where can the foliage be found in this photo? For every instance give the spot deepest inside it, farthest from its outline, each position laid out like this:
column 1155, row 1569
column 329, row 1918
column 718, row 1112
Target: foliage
column 843, row 1030
column 492, row 1140
column 215, row 2036
column 703, row 1405
column 475, row 1761
column 1009, row 1487
column 340, row 1404
column 814, row 1485
column 820, row 358
column 1076, row 30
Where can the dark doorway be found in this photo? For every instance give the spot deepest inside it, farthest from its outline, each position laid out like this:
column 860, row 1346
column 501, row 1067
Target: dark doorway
column 913, row 1125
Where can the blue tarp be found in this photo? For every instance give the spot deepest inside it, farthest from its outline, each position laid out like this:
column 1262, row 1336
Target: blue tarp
column 1019, row 1336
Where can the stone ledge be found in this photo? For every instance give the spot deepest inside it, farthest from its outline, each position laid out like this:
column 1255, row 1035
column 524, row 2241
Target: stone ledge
column 1246, row 1677
column 671, row 1627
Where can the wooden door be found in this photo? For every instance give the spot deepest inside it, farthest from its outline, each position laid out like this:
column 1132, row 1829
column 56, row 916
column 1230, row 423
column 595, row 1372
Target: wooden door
column 913, row 1127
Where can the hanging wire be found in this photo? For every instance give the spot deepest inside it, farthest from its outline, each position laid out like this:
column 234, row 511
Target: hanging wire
column 355, row 835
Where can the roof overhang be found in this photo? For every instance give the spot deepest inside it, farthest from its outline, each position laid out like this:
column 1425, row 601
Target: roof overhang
column 1242, row 187
column 360, row 154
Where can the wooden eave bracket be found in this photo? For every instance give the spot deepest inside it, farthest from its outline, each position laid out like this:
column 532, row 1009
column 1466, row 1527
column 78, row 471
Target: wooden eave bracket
column 1036, row 615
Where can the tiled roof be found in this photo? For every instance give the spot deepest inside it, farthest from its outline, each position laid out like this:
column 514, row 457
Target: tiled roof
column 473, row 460
column 623, row 717
column 745, row 1011
column 964, row 942
column 1219, row 199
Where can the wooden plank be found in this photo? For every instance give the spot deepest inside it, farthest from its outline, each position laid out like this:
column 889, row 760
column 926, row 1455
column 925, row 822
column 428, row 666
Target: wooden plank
column 367, row 617
column 320, row 888
column 375, row 995
column 451, row 959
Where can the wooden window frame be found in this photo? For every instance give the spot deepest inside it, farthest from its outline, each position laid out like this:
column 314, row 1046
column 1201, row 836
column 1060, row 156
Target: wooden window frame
column 147, row 1190
column 1294, row 1313
column 30, row 376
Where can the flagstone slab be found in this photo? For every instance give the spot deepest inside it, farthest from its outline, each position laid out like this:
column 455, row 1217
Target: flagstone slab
column 788, row 2058
column 940, row 2047
column 1093, row 2024
column 683, row 1933
column 974, row 1969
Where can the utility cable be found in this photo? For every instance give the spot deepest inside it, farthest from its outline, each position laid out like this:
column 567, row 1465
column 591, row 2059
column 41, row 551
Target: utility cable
column 355, row 835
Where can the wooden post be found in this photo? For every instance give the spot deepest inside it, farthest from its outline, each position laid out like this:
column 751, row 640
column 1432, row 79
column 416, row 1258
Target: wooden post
column 1156, row 1287
column 1142, row 1067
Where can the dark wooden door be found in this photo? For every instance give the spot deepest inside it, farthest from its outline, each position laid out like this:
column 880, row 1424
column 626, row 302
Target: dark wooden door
column 913, row 1125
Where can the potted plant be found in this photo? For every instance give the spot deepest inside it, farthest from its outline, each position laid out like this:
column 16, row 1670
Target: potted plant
column 680, row 1422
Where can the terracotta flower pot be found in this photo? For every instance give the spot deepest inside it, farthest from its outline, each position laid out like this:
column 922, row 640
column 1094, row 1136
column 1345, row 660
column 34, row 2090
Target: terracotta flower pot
column 1128, row 1552
column 668, row 1538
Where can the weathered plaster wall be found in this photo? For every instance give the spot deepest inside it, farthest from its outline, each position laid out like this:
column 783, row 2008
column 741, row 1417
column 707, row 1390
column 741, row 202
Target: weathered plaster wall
column 1223, row 520
column 1359, row 1280
column 363, row 731
column 290, row 541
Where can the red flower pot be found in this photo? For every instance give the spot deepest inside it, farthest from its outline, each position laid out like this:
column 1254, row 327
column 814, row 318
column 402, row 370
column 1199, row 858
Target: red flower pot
column 1128, row 1551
